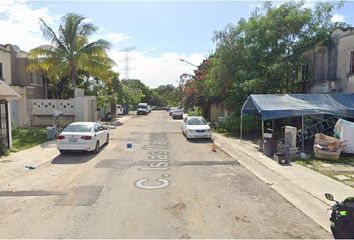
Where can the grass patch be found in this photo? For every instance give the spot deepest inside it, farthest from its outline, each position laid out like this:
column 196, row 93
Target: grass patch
column 24, row 138
column 313, row 161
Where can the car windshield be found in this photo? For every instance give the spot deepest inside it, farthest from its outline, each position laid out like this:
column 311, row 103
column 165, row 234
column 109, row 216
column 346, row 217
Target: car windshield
column 197, row 121
column 78, row 128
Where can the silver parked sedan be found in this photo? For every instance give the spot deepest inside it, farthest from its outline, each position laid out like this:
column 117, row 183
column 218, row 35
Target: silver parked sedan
column 178, row 113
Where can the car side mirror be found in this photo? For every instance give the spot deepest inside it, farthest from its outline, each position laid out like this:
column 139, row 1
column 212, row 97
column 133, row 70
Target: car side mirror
column 209, row 123
column 329, row 197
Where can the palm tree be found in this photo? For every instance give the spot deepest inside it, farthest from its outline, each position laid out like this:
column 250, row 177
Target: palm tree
column 70, row 51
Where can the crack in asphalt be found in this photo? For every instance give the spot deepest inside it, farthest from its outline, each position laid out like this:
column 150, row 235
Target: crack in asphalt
column 122, row 164
column 29, row 193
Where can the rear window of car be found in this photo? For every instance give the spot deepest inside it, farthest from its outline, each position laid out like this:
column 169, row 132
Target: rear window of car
column 78, row 128
column 197, row 121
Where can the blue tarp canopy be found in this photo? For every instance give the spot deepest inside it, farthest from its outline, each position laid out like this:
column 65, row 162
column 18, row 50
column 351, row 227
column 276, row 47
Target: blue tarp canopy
column 274, row 106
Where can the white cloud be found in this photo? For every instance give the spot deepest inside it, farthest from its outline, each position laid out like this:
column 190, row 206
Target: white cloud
column 116, row 37
column 155, row 71
column 19, row 24
column 252, row 5
column 337, row 18
column 309, row 4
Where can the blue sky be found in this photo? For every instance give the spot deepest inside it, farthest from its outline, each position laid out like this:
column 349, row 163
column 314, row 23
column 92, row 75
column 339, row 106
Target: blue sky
column 162, row 31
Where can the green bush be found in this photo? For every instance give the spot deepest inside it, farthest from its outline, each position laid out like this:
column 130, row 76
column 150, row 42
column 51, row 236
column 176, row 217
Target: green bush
column 251, row 126
column 197, row 111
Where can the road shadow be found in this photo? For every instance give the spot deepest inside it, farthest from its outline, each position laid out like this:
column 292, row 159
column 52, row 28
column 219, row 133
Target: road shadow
column 73, row 158
column 200, row 141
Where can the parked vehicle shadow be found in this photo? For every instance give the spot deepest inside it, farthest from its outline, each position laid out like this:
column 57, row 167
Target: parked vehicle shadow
column 73, row 158
column 200, row 141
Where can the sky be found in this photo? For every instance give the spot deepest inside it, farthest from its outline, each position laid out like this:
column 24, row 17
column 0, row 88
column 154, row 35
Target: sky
column 161, row 32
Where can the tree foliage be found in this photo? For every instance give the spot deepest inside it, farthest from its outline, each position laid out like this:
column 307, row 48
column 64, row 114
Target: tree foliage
column 263, row 54
column 71, row 53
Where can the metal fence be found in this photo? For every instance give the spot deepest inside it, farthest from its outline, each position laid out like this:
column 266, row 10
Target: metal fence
column 4, row 127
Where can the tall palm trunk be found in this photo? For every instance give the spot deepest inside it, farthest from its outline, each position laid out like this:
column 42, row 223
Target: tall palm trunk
column 73, row 78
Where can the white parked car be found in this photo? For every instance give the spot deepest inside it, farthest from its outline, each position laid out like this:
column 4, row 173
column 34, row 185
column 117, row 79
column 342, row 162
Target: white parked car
column 196, row 127
column 82, row 136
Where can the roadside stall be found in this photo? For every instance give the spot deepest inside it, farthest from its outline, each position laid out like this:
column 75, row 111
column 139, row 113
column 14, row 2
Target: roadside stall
column 277, row 106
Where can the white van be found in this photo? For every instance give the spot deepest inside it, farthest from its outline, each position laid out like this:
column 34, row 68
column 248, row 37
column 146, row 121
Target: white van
column 142, row 109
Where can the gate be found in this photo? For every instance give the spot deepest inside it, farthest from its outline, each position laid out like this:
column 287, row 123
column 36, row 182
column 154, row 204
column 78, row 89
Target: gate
column 4, row 127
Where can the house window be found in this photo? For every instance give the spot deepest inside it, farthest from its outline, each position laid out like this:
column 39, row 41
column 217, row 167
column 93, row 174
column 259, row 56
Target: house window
column 1, row 76
column 37, row 79
column 352, row 62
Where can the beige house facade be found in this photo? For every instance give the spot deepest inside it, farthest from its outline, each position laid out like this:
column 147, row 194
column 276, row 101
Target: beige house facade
column 330, row 69
column 7, row 94
column 27, row 85
column 32, row 107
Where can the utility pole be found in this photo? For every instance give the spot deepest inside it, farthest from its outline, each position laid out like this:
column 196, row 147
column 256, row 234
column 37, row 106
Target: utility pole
column 127, row 60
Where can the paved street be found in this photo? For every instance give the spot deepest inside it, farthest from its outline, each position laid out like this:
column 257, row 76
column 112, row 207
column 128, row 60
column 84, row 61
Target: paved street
column 164, row 187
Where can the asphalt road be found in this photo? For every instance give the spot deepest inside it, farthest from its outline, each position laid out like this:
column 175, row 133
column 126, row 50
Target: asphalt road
column 163, row 187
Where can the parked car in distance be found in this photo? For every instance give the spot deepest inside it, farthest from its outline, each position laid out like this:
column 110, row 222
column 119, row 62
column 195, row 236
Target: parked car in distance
column 142, row 109
column 82, row 136
column 177, row 114
column 196, row 127
column 171, row 110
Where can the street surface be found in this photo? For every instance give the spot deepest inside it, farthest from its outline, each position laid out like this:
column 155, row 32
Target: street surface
column 163, row 187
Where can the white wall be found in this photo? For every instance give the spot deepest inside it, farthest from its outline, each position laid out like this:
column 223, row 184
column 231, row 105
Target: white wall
column 20, row 115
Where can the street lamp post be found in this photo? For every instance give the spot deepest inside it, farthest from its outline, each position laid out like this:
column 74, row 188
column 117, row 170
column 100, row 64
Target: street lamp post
column 182, row 60
column 184, row 78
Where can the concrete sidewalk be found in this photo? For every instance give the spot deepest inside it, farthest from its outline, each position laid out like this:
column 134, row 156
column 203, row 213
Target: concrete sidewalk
column 302, row 187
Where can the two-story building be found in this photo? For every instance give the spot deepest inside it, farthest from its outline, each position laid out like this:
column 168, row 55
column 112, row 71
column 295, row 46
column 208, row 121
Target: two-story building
column 330, row 68
column 28, row 85
column 7, row 93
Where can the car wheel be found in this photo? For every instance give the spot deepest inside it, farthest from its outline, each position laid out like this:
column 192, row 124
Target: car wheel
column 97, row 148
column 107, row 140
